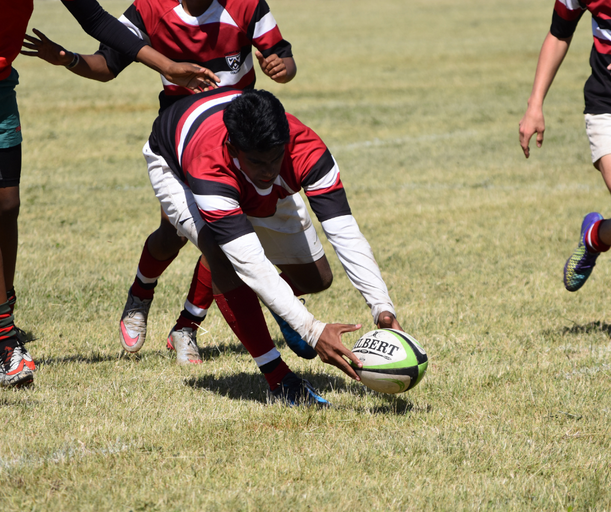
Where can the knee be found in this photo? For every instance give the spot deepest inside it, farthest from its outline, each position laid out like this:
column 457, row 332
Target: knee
column 9, row 207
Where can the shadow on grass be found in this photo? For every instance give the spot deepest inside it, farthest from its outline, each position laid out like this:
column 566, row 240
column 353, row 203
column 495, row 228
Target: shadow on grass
column 252, row 386
column 91, row 358
column 588, row 328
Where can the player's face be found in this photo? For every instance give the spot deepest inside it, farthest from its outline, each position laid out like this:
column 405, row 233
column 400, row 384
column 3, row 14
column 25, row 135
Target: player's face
column 262, row 167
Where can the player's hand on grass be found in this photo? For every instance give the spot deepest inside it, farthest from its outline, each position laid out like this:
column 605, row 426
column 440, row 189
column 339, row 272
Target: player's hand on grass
column 386, row 320
column 192, row 76
column 275, row 67
column 45, row 49
column 532, row 122
column 332, row 351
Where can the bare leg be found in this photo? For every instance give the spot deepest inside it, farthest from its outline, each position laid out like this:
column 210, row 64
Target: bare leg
column 164, row 242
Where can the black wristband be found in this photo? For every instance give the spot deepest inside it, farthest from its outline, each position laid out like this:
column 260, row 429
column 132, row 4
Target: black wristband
column 75, row 60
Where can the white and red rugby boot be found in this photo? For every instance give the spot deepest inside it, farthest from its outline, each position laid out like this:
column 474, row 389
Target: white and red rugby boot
column 133, row 322
column 184, row 341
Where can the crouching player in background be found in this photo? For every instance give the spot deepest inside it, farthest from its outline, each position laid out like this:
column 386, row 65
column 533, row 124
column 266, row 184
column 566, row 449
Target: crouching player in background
column 227, row 168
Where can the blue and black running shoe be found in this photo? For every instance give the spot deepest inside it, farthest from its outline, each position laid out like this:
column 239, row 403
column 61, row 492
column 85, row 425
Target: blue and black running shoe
column 294, row 390
column 581, row 263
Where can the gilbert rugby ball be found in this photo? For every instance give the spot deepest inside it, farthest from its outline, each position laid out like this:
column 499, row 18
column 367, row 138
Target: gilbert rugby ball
column 393, row 361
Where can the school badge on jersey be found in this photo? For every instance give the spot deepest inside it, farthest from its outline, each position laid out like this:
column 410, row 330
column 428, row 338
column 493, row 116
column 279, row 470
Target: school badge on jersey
column 234, row 62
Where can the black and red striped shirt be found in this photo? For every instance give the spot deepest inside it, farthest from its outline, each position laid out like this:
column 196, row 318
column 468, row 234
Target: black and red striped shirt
column 220, row 39
column 567, row 13
column 191, row 137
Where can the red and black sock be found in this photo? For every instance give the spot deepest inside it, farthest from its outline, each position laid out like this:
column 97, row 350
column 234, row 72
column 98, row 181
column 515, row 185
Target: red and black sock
column 149, row 270
column 199, row 299
column 592, row 239
column 12, row 298
column 7, row 326
column 242, row 311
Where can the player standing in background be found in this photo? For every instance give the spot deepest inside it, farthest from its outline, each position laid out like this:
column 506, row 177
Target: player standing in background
column 216, row 34
column 16, row 365
column 595, row 236
column 227, row 167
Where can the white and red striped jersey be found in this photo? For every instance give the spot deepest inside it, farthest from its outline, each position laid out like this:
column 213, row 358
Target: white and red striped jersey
column 221, row 39
column 190, row 135
column 567, row 13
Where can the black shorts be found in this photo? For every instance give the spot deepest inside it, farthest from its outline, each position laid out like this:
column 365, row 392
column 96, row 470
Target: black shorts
column 10, row 166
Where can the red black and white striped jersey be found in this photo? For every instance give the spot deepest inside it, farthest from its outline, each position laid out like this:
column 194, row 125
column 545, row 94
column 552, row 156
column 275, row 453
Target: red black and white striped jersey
column 221, row 39
column 567, row 13
column 191, row 137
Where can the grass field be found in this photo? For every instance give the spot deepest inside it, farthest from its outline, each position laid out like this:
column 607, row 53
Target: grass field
column 419, row 102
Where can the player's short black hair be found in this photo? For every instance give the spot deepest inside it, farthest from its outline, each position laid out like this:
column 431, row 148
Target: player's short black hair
column 256, row 121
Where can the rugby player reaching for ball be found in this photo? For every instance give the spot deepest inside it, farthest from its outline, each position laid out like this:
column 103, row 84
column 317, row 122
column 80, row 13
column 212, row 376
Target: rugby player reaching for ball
column 227, row 167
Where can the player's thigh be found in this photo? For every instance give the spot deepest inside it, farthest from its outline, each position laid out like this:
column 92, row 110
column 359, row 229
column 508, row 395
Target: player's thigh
column 177, row 201
column 310, row 277
column 598, row 128
column 10, row 146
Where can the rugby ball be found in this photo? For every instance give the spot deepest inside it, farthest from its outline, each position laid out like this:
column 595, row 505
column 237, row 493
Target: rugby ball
column 393, row 361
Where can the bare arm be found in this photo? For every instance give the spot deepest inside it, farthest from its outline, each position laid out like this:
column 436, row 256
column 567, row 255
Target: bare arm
column 93, row 67
column 551, row 56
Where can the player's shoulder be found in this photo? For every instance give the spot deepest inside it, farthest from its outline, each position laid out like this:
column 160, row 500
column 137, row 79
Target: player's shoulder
column 156, row 7
column 242, row 9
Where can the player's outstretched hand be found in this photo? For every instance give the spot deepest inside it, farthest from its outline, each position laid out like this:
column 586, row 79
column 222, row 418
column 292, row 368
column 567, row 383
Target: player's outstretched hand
column 386, row 320
column 192, row 76
column 45, row 49
column 332, row 351
column 273, row 66
column 532, row 122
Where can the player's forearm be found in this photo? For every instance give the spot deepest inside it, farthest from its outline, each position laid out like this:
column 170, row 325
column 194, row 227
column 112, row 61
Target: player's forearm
column 551, row 56
column 248, row 259
column 356, row 256
column 154, row 60
column 93, row 67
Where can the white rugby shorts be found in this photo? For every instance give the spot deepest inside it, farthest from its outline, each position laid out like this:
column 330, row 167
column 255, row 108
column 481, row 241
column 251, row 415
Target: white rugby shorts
column 598, row 128
column 288, row 237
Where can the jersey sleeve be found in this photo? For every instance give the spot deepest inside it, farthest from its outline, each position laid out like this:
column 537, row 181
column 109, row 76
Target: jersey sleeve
column 118, row 61
column 567, row 14
column 356, row 256
column 265, row 35
column 104, row 27
column 248, row 258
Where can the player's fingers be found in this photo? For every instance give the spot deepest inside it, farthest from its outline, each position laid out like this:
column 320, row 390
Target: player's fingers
column 539, row 139
column 259, row 56
column 41, row 35
column 344, row 366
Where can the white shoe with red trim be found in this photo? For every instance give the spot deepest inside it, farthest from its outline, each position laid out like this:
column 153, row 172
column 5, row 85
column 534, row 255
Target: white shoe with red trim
column 184, row 342
column 133, row 323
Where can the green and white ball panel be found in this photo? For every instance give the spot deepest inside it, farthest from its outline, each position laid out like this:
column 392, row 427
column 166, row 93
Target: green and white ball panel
column 393, row 361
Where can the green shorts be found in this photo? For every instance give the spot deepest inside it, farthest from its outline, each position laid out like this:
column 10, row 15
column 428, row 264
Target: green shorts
column 10, row 125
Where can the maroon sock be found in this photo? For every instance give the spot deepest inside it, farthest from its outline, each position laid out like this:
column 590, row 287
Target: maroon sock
column 200, row 294
column 296, row 291
column 593, row 241
column 242, row 311
column 199, row 299
column 149, row 270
